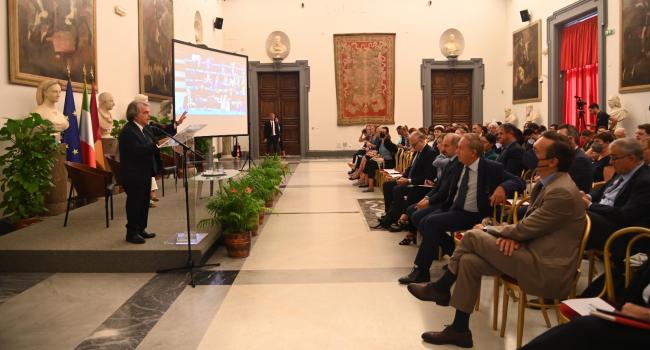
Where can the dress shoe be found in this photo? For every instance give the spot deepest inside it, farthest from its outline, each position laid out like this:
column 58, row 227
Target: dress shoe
column 362, row 185
column 136, row 239
column 449, row 336
column 416, row 276
column 395, row 228
column 145, row 234
column 367, row 190
column 428, row 292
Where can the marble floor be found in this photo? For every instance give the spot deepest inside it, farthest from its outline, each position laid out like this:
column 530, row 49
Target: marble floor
column 317, row 278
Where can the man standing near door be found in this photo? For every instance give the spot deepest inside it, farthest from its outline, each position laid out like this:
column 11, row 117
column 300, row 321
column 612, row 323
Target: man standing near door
column 272, row 134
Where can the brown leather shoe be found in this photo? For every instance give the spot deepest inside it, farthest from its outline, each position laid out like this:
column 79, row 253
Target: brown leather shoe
column 427, row 292
column 449, row 336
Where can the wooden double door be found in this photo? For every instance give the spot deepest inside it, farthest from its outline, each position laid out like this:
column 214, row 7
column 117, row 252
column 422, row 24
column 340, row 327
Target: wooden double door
column 451, row 96
column 278, row 93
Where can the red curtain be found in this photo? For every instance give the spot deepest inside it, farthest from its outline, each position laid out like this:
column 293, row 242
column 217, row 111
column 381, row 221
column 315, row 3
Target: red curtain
column 579, row 63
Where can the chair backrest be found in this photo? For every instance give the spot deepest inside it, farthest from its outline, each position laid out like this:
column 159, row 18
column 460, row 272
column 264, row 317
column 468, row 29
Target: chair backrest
column 115, row 166
column 639, row 233
column 505, row 213
column 581, row 251
column 88, row 181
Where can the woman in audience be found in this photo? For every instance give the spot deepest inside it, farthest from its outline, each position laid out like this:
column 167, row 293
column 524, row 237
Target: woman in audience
column 386, row 151
column 489, row 141
column 363, row 139
column 603, row 170
column 370, row 146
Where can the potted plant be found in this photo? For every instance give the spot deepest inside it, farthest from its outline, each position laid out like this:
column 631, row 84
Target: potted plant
column 118, row 124
column 26, row 167
column 236, row 211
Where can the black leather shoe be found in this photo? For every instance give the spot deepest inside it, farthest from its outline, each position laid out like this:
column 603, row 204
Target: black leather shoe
column 137, row 239
column 395, row 228
column 416, row 276
column 145, row 234
column 427, row 292
column 449, row 336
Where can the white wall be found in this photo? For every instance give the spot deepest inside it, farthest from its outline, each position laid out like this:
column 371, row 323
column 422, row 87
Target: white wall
column 636, row 103
column 247, row 23
column 117, row 51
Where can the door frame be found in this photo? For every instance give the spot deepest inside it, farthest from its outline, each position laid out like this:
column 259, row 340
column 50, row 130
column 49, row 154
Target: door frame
column 554, row 25
column 300, row 66
column 478, row 83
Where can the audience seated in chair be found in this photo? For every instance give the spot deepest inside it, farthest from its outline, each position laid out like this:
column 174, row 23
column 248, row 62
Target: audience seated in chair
column 622, row 202
column 539, row 251
column 512, row 152
column 396, row 193
column 385, row 153
column 461, row 203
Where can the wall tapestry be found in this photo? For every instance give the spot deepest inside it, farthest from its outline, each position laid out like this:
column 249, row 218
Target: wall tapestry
column 635, row 46
column 156, row 23
column 365, row 78
column 526, row 63
column 47, row 36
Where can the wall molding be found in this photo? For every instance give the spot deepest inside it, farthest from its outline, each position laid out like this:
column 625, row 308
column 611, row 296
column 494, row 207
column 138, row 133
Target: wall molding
column 300, row 66
column 478, row 83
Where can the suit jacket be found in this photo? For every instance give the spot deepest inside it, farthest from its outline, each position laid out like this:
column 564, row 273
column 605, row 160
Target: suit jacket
column 631, row 205
column 422, row 167
column 154, row 132
column 268, row 131
column 490, row 175
column 511, row 158
column 582, row 171
column 550, row 235
column 447, row 175
column 137, row 155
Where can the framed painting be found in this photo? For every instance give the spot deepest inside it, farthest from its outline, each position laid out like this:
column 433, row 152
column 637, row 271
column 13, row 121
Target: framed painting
column 46, row 37
column 635, row 46
column 365, row 78
column 526, row 63
column 156, row 31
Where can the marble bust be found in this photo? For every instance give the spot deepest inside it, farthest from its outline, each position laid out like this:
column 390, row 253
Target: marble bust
column 616, row 112
column 531, row 115
column 47, row 95
column 451, row 47
column 166, row 109
column 141, row 98
column 278, row 48
column 106, row 104
column 510, row 116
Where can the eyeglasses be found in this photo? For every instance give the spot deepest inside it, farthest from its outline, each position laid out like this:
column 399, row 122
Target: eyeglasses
column 614, row 158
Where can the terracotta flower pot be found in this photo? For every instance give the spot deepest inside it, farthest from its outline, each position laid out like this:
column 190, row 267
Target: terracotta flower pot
column 261, row 217
column 26, row 222
column 268, row 203
column 238, row 244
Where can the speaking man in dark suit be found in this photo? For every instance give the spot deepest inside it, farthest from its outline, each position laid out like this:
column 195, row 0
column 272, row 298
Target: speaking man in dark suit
column 138, row 164
column 272, row 134
column 462, row 203
column 512, row 153
column 421, row 169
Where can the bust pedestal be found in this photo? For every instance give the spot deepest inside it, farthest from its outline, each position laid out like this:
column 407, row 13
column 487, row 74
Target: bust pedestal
column 57, row 199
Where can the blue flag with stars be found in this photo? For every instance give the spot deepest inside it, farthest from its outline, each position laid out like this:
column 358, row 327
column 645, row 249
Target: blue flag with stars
column 71, row 135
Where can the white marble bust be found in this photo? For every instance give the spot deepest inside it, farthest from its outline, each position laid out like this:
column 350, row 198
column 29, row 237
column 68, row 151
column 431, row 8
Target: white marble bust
column 531, row 114
column 278, row 48
column 510, row 116
column 47, row 95
column 451, row 47
column 616, row 111
column 106, row 104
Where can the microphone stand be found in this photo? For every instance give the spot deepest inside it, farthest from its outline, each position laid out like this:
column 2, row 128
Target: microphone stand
column 189, row 265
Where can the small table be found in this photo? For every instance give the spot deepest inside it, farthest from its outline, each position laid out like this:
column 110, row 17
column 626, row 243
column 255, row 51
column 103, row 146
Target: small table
column 229, row 174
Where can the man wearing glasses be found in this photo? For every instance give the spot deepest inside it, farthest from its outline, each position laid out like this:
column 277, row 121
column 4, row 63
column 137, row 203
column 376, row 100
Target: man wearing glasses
column 623, row 201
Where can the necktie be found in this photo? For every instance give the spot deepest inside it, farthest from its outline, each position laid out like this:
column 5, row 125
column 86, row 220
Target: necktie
column 415, row 158
column 533, row 197
column 459, row 202
column 614, row 185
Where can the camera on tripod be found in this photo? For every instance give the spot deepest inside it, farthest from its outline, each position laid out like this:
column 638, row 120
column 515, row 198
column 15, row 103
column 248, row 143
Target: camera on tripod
column 580, row 104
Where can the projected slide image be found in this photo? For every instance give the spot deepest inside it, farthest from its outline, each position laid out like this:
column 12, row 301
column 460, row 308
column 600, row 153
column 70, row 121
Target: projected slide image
column 206, row 87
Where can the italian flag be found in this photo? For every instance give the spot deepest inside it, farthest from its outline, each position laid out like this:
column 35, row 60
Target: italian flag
column 86, row 132
column 97, row 131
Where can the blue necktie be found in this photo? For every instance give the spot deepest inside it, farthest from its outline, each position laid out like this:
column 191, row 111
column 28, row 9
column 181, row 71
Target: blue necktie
column 459, row 203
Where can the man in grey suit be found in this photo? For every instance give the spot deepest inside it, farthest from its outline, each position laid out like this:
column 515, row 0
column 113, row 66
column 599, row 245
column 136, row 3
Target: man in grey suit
column 540, row 251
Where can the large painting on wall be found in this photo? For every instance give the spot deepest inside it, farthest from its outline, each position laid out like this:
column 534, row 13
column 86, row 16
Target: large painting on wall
column 526, row 63
column 48, row 36
column 635, row 46
column 156, row 33
column 365, row 78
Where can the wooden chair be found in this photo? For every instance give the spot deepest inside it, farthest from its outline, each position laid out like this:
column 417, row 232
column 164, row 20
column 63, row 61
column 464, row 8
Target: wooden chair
column 169, row 168
column 89, row 183
column 511, row 284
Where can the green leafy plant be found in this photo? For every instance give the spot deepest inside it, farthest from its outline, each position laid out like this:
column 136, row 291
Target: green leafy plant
column 235, row 209
column 118, row 125
column 202, row 145
column 26, row 166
